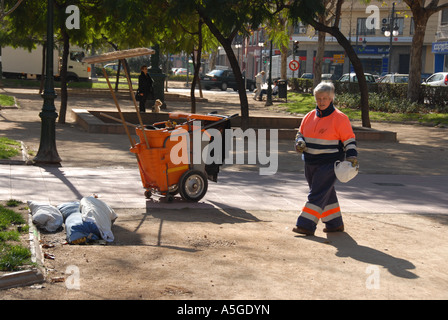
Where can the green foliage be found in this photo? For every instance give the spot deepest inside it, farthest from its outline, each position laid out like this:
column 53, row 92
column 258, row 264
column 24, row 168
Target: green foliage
column 6, row 100
column 13, row 256
column 11, row 235
column 382, row 103
column 302, row 102
column 8, row 148
column 8, row 217
column 301, row 85
column 383, row 97
column 381, row 108
column 13, row 203
column 436, row 97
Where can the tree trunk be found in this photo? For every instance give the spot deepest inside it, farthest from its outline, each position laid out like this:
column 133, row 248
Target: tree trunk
column 284, row 57
column 239, row 80
column 1, row 68
column 227, row 45
column 357, row 65
column 319, row 58
column 196, row 66
column 415, row 71
column 212, row 62
column 64, row 94
column 362, row 83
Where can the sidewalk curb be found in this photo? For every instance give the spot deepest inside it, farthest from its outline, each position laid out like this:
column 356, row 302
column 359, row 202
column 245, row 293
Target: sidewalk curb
column 15, row 106
column 24, row 160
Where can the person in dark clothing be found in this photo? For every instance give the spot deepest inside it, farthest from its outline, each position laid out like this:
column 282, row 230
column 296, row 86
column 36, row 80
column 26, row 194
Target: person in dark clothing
column 145, row 89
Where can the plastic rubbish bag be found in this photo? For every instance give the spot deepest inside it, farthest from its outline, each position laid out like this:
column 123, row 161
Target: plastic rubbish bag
column 45, row 216
column 68, row 208
column 79, row 231
column 97, row 211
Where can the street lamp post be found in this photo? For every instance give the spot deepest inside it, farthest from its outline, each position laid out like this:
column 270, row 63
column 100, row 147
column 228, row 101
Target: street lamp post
column 269, row 93
column 261, row 45
column 391, row 31
column 47, row 150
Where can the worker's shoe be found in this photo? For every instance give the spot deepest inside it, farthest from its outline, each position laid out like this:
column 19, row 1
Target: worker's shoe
column 337, row 229
column 303, row 231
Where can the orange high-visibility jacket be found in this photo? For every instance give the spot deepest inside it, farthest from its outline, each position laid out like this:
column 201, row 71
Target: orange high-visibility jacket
column 328, row 136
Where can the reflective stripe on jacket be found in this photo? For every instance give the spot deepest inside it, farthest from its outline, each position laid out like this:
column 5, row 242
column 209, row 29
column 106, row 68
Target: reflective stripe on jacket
column 328, row 135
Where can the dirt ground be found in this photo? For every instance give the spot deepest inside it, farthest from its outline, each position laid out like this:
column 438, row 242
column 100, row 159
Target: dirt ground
column 237, row 254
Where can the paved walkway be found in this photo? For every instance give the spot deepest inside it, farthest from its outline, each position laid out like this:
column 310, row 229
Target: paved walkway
column 246, row 190
column 395, row 221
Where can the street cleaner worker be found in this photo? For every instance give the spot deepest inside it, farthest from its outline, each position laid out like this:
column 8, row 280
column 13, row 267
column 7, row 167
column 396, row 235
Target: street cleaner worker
column 324, row 137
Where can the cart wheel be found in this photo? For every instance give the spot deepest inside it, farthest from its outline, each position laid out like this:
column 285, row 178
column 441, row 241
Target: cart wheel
column 193, row 185
column 148, row 194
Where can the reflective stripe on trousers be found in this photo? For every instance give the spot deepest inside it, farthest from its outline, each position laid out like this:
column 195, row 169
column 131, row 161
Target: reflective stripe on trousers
column 322, row 200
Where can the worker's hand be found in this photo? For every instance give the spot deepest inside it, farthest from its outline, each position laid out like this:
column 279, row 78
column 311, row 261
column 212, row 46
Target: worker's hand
column 353, row 160
column 300, row 146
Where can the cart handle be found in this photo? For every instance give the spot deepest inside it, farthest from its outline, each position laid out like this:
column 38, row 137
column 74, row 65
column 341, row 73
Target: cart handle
column 189, row 116
column 221, row 120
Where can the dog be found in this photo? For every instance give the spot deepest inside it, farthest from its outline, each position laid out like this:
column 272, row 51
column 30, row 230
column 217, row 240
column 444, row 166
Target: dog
column 156, row 106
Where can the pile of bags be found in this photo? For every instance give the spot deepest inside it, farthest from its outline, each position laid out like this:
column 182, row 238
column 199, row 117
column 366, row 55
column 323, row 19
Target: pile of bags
column 85, row 221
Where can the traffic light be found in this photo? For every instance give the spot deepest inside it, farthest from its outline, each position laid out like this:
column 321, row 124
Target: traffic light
column 385, row 24
column 295, row 46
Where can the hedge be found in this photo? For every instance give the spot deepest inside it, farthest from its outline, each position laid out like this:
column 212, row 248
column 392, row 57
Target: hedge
column 434, row 99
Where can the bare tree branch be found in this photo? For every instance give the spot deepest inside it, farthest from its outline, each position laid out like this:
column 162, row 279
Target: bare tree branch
column 4, row 14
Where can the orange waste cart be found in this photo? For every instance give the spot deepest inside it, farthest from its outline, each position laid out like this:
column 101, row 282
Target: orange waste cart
column 159, row 171
column 162, row 169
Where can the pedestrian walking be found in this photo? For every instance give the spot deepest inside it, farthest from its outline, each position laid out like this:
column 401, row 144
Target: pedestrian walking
column 145, row 89
column 324, row 137
column 258, row 81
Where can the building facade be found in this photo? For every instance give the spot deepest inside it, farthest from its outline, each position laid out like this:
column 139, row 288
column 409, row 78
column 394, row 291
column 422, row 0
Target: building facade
column 365, row 27
column 379, row 54
column 440, row 46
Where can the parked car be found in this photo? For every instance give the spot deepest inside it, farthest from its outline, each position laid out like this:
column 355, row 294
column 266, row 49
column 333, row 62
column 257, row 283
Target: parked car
column 112, row 66
column 307, row 76
column 328, row 76
column 394, row 78
column 424, row 76
column 223, row 79
column 351, row 77
column 180, row 71
column 437, row 79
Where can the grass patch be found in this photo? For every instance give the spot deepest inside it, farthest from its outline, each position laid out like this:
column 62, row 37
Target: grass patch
column 9, row 148
column 12, row 254
column 302, row 103
column 6, row 101
column 101, row 84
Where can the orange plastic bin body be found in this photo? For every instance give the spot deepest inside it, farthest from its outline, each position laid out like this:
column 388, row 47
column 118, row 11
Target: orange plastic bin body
column 157, row 171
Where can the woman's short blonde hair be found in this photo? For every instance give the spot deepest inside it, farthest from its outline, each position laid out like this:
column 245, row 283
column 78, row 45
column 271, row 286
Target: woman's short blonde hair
column 322, row 87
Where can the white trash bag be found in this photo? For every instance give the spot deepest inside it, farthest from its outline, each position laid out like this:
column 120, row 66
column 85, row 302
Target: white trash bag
column 93, row 209
column 45, row 216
